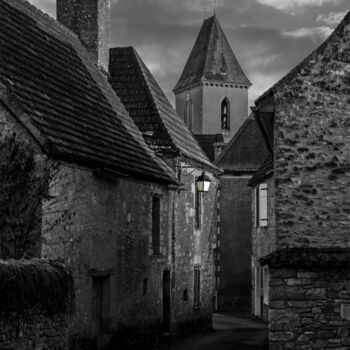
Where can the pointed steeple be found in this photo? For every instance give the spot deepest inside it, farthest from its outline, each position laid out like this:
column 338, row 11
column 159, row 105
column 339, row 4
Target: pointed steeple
column 212, row 59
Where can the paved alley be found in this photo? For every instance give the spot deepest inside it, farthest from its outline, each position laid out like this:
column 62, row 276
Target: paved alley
column 231, row 332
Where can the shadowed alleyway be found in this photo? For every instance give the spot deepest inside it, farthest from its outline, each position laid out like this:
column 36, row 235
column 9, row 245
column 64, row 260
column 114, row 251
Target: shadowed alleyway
column 231, row 332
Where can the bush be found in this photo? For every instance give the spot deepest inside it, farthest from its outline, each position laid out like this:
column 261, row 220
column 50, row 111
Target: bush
column 35, row 283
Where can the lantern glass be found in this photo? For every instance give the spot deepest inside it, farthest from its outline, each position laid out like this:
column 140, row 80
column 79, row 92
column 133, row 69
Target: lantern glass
column 203, row 183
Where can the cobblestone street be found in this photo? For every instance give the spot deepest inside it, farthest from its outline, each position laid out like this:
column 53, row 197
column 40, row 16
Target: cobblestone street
column 231, row 332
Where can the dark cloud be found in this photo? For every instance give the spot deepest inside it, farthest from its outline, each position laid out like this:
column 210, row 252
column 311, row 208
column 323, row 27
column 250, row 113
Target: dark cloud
column 267, row 41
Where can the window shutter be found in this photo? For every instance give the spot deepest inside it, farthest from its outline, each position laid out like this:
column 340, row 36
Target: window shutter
column 263, row 205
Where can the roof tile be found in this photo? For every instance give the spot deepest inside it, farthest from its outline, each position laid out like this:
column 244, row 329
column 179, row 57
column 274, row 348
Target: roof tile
column 162, row 127
column 47, row 71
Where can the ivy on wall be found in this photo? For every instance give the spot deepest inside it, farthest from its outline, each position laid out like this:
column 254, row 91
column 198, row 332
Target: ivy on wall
column 22, row 186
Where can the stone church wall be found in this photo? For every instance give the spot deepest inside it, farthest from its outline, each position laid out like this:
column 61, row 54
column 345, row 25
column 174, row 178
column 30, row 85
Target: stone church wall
column 213, row 94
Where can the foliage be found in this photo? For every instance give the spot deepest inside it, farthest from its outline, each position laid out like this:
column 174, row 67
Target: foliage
column 35, row 283
column 21, row 190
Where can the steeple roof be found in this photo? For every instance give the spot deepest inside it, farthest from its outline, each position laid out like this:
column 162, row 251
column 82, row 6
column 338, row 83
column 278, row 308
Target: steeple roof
column 212, row 59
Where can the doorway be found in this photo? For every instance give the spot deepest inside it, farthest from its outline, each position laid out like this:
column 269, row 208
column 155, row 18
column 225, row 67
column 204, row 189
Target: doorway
column 100, row 308
column 166, row 301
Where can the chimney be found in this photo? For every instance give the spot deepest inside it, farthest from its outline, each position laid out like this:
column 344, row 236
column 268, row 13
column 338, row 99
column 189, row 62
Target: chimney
column 89, row 19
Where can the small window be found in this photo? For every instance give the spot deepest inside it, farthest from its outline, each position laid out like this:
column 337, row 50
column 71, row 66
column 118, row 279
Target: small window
column 261, row 205
column 225, row 114
column 145, row 286
column 198, row 208
column 197, row 286
column 188, row 113
column 156, row 225
column 185, row 295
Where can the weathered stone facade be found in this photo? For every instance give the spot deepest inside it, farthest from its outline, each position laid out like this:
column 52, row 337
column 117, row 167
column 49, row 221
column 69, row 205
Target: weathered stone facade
column 107, row 230
column 194, row 248
column 32, row 329
column 303, row 262
column 309, row 308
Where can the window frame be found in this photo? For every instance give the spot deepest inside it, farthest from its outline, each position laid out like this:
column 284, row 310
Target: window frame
column 156, row 225
column 225, row 103
column 261, row 205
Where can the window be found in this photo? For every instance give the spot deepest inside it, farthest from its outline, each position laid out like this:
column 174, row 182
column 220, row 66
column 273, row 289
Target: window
column 225, row 114
column 197, row 286
column 261, row 205
column 185, row 295
column 198, row 208
column 145, row 286
column 156, row 225
column 188, row 113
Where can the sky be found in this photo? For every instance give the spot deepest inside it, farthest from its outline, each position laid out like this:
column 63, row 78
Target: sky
column 268, row 37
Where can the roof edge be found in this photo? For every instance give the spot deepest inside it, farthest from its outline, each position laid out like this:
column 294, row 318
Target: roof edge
column 320, row 49
column 10, row 102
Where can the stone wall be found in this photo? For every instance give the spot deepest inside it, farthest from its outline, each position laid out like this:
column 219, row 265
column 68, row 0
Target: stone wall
column 194, row 247
column 311, row 141
column 197, row 100
column 213, row 94
column 309, row 308
column 207, row 107
column 32, row 329
column 102, row 227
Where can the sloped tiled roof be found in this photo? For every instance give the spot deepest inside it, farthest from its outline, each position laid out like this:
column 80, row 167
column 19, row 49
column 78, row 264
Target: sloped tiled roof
column 246, row 151
column 147, row 104
column 64, row 100
column 207, row 142
column 265, row 171
column 212, row 59
column 329, row 47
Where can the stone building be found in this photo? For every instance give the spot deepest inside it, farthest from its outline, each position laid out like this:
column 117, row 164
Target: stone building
column 85, row 187
column 194, row 213
column 239, row 160
column 301, row 241
column 212, row 98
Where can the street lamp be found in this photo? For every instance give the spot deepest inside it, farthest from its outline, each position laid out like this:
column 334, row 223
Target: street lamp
column 203, row 183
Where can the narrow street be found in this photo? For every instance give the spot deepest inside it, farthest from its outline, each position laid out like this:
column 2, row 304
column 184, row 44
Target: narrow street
column 231, row 332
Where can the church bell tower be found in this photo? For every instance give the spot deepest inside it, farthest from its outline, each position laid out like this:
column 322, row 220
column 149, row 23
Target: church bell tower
column 212, row 92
